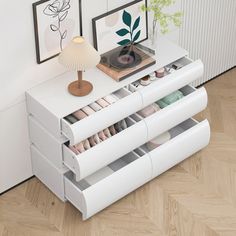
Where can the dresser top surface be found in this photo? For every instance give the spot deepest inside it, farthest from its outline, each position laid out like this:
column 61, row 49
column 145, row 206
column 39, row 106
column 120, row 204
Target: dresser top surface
column 54, row 96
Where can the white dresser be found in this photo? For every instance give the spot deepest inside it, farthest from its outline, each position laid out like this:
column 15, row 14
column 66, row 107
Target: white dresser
column 121, row 163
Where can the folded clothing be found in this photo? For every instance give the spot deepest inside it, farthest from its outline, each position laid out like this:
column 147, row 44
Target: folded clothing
column 95, row 106
column 161, row 104
column 103, row 103
column 71, row 119
column 149, row 110
column 99, row 175
column 156, row 142
column 171, row 98
column 88, row 110
column 80, row 114
column 99, row 137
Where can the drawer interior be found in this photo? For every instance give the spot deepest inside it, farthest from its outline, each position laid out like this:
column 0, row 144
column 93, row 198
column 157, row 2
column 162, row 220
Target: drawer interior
column 104, row 172
column 105, row 134
column 166, row 101
column 108, row 100
column 172, row 133
column 126, row 159
column 97, row 106
column 168, row 69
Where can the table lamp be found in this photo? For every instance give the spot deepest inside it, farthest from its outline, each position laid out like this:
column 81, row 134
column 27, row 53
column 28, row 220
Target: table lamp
column 79, row 55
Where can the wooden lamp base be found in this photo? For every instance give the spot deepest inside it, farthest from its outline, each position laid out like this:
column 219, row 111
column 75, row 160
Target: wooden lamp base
column 81, row 87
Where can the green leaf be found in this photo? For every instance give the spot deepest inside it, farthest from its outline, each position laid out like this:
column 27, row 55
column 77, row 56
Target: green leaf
column 137, row 36
column 136, row 24
column 124, row 42
column 127, row 18
column 122, row 32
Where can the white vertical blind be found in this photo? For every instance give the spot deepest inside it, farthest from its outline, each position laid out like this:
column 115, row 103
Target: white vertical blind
column 209, row 32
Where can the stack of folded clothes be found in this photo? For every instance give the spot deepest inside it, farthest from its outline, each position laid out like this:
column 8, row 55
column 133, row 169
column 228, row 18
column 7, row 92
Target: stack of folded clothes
column 91, row 108
column 99, row 137
column 173, row 97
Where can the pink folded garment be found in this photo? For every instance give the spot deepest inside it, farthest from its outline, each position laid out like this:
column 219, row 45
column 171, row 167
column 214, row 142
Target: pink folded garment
column 149, row 110
column 88, row 110
column 102, row 136
column 80, row 147
column 72, row 148
column 79, row 115
column 102, row 103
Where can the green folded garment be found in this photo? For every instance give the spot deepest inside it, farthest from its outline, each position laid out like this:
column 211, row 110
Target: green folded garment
column 173, row 97
column 161, row 104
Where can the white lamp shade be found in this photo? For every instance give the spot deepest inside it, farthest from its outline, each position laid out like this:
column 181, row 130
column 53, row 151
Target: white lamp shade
column 79, row 55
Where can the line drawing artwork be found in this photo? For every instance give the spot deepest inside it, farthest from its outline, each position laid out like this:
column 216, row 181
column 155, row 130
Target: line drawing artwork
column 59, row 10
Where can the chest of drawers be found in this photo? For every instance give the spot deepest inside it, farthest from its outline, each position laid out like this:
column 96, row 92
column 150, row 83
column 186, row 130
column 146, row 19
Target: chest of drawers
column 103, row 174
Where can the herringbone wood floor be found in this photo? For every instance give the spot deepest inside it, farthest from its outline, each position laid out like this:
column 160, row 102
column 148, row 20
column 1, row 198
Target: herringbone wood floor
column 197, row 197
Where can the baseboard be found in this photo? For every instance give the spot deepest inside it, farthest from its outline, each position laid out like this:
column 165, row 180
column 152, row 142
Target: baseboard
column 16, row 185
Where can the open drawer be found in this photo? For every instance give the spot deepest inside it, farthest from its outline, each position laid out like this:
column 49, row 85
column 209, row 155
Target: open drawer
column 189, row 72
column 109, row 150
column 108, row 185
column 186, row 139
column 116, row 180
column 139, row 131
column 127, row 103
column 193, row 102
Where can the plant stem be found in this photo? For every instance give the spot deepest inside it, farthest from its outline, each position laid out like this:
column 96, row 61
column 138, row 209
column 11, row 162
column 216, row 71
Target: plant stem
column 59, row 30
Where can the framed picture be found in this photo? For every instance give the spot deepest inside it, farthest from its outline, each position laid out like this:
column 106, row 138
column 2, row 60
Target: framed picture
column 121, row 26
column 56, row 22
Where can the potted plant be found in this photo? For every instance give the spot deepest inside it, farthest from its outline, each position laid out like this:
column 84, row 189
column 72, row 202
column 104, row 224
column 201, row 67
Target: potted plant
column 161, row 18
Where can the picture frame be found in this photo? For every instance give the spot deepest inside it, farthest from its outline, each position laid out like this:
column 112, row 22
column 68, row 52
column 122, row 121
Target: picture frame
column 114, row 26
column 56, row 22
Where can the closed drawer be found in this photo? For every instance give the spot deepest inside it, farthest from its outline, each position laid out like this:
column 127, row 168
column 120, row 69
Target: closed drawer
column 107, row 151
column 193, row 102
column 127, row 104
column 108, row 185
column 186, row 139
column 171, row 82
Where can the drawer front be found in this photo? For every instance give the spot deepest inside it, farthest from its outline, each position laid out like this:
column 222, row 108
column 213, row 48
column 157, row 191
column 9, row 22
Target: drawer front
column 171, row 82
column 50, row 147
column 110, row 189
column 44, row 170
column 175, row 113
column 101, row 119
column 106, row 152
column 180, row 147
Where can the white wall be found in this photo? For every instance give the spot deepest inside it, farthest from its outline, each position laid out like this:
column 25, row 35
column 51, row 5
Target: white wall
column 19, row 72
column 209, row 33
